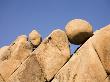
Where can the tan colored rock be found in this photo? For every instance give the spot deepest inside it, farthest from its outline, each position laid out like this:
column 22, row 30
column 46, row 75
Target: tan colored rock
column 45, row 61
column 4, row 53
column 101, row 42
column 78, row 31
column 50, row 62
column 53, row 53
column 35, row 38
column 19, row 51
column 84, row 66
column 1, row 79
column 107, row 79
column 29, row 71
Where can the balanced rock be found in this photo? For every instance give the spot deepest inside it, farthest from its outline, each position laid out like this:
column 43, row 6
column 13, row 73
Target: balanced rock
column 78, row 31
column 35, row 38
column 91, row 63
column 30, row 60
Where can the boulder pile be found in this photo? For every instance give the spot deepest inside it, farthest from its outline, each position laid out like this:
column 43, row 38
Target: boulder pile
column 29, row 59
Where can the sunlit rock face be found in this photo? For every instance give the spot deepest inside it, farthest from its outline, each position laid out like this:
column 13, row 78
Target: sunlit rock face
column 35, row 38
column 29, row 59
column 78, row 31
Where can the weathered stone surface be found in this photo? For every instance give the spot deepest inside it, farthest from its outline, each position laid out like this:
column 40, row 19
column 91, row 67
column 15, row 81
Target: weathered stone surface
column 53, row 53
column 102, row 51
column 107, row 79
column 78, row 31
column 45, row 61
column 1, row 79
column 84, row 66
column 50, row 61
column 4, row 53
column 101, row 42
column 19, row 51
column 35, row 38
column 29, row 71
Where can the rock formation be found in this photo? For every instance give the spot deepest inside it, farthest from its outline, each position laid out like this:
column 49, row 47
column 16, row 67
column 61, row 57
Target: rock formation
column 35, row 38
column 78, row 31
column 27, row 59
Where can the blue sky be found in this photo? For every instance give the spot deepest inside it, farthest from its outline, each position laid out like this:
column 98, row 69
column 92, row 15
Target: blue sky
column 22, row 16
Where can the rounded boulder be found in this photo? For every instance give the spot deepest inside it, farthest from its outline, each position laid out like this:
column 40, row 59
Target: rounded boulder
column 35, row 38
column 78, row 31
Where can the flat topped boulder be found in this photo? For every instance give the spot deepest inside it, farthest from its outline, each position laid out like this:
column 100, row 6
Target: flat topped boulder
column 78, row 31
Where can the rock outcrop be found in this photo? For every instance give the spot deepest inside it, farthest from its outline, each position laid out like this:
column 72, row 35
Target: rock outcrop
column 101, row 42
column 53, row 53
column 91, row 61
column 19, row 50
column 44, row 62
column 84, row 66
column 27, row 59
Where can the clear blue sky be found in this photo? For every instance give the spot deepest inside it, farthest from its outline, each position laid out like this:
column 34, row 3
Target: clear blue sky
column 21, row 16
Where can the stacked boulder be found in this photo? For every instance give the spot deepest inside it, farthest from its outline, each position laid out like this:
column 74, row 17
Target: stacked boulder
column 29, row 59
column 78, row 31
